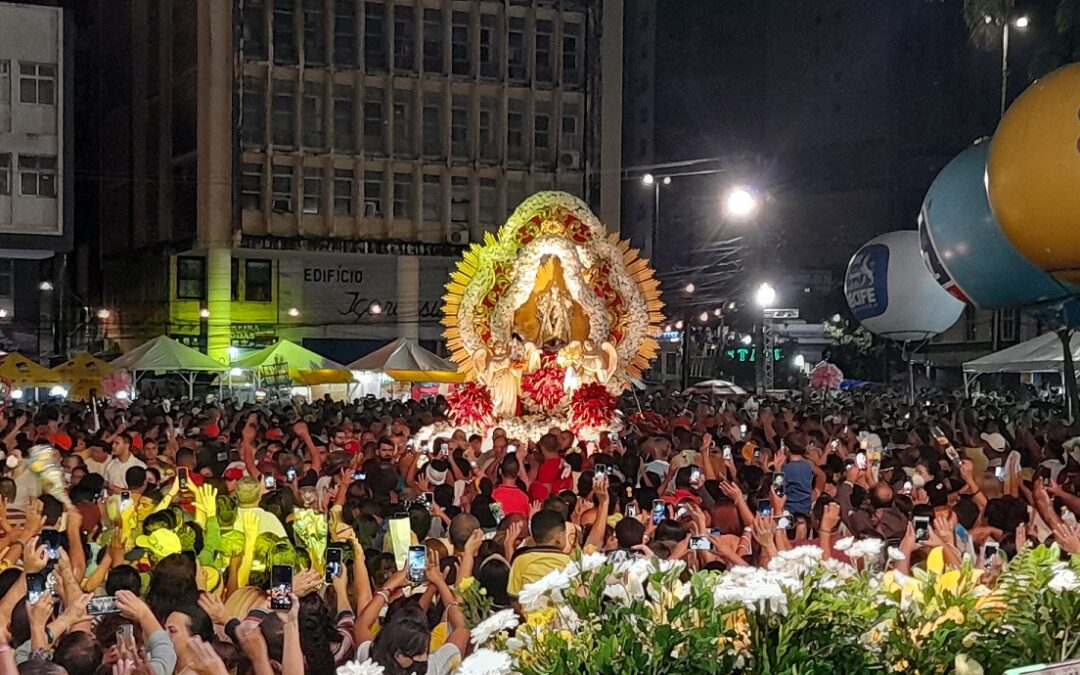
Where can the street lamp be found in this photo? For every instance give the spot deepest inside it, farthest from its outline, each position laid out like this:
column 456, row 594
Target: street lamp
column 204, row 313
column 703, row 317
column 1022, row 22
column 766, row 295
column 741, row 202
column 718, row 312
column 649, row 180
column 747, row 339
column 45, row 285
column 104, row 314
column 294, row 312
column 690, row 288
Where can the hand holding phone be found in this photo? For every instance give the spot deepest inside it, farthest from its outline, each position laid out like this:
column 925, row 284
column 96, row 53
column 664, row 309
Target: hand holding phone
column 416, row 566
column 922, row 528
column 333, row 563
column 281, row 587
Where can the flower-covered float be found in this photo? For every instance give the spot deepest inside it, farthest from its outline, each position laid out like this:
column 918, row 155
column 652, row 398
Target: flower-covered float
column 550, row 318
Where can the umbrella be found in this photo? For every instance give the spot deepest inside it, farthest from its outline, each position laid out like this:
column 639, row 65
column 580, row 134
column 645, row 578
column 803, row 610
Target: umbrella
column 716, row 388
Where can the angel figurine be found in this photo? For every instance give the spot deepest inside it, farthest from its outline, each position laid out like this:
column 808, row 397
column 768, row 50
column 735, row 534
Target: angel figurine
column 598, row 362
column 499, row 370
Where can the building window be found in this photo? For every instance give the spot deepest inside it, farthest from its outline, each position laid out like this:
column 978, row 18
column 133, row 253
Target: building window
column 515, row 193
column 545, row 37
column 433, row 41
column 459, row 43
column 251, row 187
column 254, row 33
column 571, row 72
column 281, row 187
column 234, row 279
column 344, row 118
column 375, row 37
column 374, row 121
column 190, row 278
column 517, row 65
column 404, row 39
column 253, row 125
column 314, row 126
column 345, row 32
column 285, row 31
column 373, row 194
column 403, row 196
column 489, row 49
column 459, row 199
column 403, row 136
column 5, row 173
column 489, row 144
column 37, row 176
column 7, row 278
column 284, row 113
column 515, row 131
column 258, row 280
column 343, row 192
column 5, row 82
column 432, row 204
column 569, row 139
column 432, row 122
column 314, row 32
column 37, row 83
column 489, row 197
column 313, row 179
column 1010, row 324
column 542, row 133
column 459, row 127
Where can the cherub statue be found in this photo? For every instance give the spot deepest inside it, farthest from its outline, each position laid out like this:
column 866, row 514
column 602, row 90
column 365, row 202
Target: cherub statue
column 501, row 372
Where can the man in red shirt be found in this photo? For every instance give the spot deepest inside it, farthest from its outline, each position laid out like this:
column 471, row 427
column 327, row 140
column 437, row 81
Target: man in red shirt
column 554, row 474
column 512, row 497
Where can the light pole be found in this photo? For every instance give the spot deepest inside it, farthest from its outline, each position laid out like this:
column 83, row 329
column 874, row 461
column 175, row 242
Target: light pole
column 1020, row 22
column 764, row 297
column 649, row 180
column 684, row 374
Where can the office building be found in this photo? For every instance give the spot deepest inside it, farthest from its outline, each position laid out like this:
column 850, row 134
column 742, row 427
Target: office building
column 35, row 171
column 312, row 169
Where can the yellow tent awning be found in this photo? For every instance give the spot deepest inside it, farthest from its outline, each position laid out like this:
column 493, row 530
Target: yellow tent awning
column 21, row 372
column 307, row 377
column 445, row 376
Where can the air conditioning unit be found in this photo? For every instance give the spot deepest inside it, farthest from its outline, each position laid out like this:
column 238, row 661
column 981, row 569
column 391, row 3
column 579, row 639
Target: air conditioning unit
column 569, row 159
column 458, row 238
column 371, row 209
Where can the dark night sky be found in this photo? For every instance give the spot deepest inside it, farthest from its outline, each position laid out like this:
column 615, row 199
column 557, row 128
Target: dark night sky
column 844, row 110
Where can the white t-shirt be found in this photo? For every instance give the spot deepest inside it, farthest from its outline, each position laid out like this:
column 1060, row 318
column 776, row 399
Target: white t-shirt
column 115, row 471
column 94, row 466
column 27, row 489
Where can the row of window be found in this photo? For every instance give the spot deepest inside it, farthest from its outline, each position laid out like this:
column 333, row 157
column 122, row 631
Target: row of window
column 444, row 131
column 403, row 38
column 37, row 83
column 36, row 175
column 377, row 195
column 257, row 279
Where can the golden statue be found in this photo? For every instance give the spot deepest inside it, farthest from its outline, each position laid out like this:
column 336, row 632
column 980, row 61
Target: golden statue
column 501, row 372
column 586, row 362
column 553, row 309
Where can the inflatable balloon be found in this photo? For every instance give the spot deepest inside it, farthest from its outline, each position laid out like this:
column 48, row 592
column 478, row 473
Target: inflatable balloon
column 891, row 292
column 1033, row 174
column 964, row 248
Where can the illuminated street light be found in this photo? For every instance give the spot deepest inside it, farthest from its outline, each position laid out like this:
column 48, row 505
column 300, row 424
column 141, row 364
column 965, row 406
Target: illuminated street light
column 235, row 372
column 1022, row 22
column 45, row 285
column 294, row 312
column 204, row 313
column 718, row 312
column 747, row 339
column 3, row 313
column 648, row 179
column 666, row 180
column 58, row 392
column 690, row 288
column 104, row 314
column 376, row 308
column 16, row 394
column 704, row 316
column 679, row 325
column 741, row 202
column 766, row 295
column 799, row 361
column 836, row 317
column 988, row 19
column 731, row 305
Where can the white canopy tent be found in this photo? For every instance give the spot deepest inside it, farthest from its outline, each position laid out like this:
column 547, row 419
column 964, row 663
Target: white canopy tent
column 405, row 359
column 166, row 354
column 1042, row 354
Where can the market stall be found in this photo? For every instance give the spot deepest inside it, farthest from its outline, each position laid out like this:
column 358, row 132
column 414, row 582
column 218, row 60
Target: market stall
column 165, row 355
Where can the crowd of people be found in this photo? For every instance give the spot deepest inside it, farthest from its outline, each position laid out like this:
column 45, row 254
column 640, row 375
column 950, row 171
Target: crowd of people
column 211, row 538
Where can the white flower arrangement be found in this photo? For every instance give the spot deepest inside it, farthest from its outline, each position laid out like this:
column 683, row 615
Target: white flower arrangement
column 541, row 592
column 486, row 662
column 1064, row 579
column 504, row 620
column 367, row 667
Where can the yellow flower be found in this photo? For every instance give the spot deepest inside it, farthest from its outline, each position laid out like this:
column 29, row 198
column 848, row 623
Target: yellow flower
column 539, row 618
column 466, row 583
column 565, row 635
column 900, row 666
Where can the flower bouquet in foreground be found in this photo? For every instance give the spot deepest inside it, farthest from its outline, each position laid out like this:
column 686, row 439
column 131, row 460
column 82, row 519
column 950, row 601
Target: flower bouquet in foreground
column 802, row 614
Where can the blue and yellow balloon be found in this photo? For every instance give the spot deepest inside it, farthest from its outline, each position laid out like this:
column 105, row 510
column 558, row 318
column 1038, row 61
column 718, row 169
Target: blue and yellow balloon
column 1033, row 173
column 965, row 249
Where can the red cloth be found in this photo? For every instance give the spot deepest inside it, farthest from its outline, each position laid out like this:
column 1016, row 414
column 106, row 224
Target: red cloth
column 682, row 496
column 212, row 430
column 513, row 500
column 555, row 474
column 61, row 440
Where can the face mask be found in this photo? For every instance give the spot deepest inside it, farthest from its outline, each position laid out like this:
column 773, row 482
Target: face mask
column 418, row 668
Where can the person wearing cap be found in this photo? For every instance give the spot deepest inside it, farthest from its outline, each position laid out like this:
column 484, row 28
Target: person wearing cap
column 248, row 493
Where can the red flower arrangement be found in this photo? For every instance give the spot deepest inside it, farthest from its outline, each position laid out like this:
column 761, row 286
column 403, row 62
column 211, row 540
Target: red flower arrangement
column 826, row 376
column 470, row 404
column 544, row 386
column 592, row 405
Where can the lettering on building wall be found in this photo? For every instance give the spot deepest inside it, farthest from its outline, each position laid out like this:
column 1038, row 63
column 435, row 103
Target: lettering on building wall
column 357, row 307
column 333, row 275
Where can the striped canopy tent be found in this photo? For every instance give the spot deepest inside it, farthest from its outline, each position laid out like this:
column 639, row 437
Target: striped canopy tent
column 82, row 375
column 22, row 373
column 305, row 367
column 406, row 361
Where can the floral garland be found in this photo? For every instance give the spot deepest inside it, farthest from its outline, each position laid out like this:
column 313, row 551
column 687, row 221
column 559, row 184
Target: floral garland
column 592, row 405
column 470, row 404
column 544, row 386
